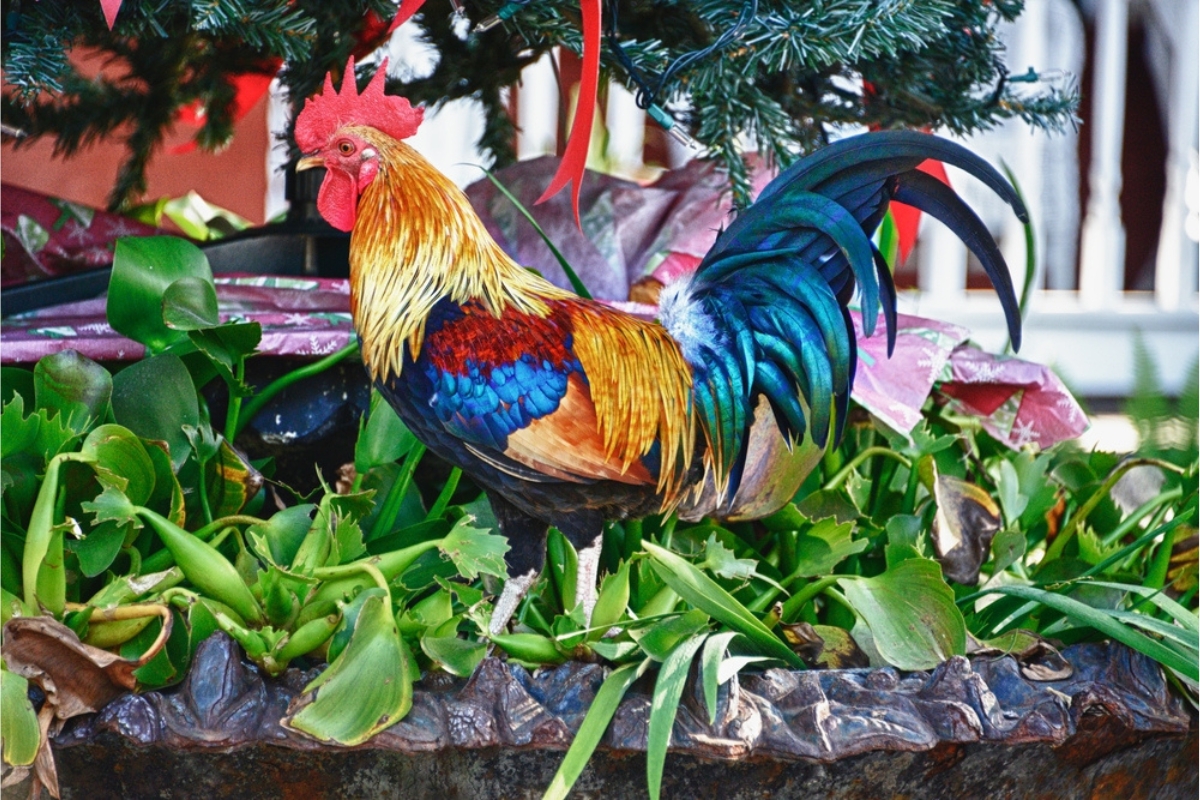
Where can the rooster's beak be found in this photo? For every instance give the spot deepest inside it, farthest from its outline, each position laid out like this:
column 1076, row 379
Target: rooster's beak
column 308, row 162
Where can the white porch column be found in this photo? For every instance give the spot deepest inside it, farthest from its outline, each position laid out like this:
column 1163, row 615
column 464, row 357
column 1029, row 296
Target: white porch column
column 1175, row 269
column 1102, row 257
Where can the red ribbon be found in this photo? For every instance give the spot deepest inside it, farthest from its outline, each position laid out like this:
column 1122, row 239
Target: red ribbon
column 574, row 160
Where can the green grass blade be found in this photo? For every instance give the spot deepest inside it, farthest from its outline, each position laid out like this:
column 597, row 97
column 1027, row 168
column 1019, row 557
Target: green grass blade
column 710, row 666
column 604, row 705
column 667, row 691
column 1162, row 628
column 1178, row 613
column 707, row 595
column 576, row 283
column 1106, row 623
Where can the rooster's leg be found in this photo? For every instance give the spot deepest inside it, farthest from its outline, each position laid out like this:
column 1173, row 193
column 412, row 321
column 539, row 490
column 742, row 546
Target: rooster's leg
column 585, row 531
column 527, row 552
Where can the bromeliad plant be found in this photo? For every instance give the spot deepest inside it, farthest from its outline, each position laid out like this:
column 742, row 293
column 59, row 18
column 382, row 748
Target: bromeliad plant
column 130, row 518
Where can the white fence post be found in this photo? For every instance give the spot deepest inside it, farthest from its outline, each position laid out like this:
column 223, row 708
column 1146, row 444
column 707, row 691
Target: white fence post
column 1102, row 260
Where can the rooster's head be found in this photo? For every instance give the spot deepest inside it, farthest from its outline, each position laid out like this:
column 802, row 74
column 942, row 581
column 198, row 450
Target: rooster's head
column 329, row 132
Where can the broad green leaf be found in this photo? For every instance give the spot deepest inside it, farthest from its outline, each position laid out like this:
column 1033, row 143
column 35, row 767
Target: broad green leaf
column 345, row 630
column 155, row 398
column 705, row 594
column 16, row 381
column 99, row 548
column 18, row 724
column 226, row 346
column 1007, row 547
column 74, row 386
column 665, row 702
column 457, row 656
column 189, row 304
column 599, row 714
column 143, row 269
column 17, row 431
column 823, row 546
column 905, row 539
column 277, row 540
column 232, row 481
column 382, row 437
column 366, row 689
column 475, row 551
column 121, row 461
column 911, row 613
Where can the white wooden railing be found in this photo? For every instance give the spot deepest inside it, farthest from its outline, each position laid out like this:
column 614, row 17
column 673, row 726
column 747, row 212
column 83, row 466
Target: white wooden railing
column 1081, row 321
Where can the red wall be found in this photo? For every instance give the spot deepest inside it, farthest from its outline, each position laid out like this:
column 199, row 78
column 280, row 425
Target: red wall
column 235, row 178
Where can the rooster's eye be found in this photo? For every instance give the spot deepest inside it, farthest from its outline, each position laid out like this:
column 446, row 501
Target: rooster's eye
column 346, row 148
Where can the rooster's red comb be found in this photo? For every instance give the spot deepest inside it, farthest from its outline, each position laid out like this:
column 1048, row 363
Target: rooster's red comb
column 325, row 113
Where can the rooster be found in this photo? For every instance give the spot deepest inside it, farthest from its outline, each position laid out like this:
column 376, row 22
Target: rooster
column 569, row 412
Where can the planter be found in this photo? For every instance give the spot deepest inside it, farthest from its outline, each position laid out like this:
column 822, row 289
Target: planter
column 975, row 728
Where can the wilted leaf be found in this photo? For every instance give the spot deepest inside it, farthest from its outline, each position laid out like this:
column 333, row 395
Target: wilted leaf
column 366, row 689
column 232, row 481
column 1038, row 658
column 77, row 678
column 910, row 612
column 967, row 519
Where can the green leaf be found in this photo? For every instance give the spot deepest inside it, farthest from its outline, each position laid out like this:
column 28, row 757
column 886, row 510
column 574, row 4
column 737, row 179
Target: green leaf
column 18, row 432
column 457, row 656
column 121, row 461
column 705, row 594
column 365, row 690
column 710, row 664
column 1007, row 548
column 663, row 706
column 226, row 346
column 1104, row 621
column 74, row 386
column 905, row 539
column 382, row 437
column 911, row 613
column 599, row 714
column 475, row 551
column 721, row 561
column 823, row 546
column 189, row 304
column 18, row 724
column 155, row 398
column 143, row 269
column 278, row 539
column 659, row 640
column 232, row 481
column 16, row 381
column 611, row 602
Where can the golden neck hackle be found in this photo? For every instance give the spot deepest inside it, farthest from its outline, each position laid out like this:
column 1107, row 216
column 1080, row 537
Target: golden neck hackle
column 416, row 241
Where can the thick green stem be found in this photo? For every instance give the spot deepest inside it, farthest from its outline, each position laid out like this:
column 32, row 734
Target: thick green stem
column 396, row 492
column 256, row 404
column 793, row 605
column 443, row 499
column 858, row 459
